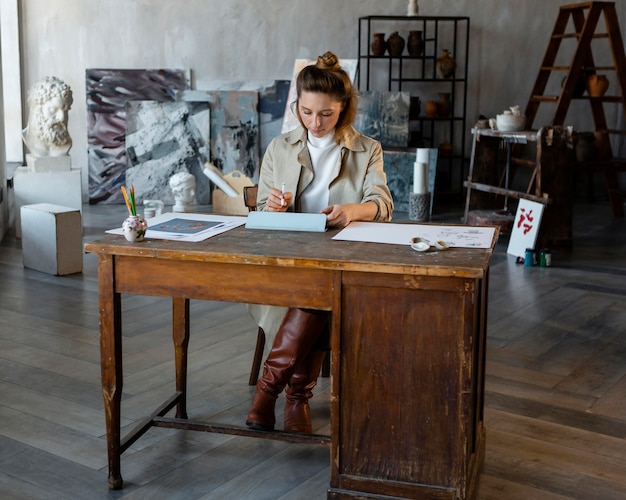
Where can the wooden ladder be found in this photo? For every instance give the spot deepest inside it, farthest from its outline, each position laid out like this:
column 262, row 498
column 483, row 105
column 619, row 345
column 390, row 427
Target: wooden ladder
column 585, row 18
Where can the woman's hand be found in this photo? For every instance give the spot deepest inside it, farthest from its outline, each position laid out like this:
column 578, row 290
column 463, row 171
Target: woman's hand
column 344, row 214
column 277, row 201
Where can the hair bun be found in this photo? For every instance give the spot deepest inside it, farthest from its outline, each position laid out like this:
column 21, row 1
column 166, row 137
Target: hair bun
column 328, row 62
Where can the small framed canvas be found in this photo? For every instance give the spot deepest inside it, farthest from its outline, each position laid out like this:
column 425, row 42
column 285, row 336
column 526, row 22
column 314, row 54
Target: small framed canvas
column 525, row 227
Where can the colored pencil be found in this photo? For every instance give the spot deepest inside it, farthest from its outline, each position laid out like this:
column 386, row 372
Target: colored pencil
column 127, row 200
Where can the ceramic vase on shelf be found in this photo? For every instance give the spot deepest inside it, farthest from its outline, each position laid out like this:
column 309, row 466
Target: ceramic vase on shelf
column 379, row 45
column 445, row 65
column 431, row 109
column 444, row 106
column 597, row 85
column 413, row 8
column 395, row 44
column 134, row 228
column 415, row 44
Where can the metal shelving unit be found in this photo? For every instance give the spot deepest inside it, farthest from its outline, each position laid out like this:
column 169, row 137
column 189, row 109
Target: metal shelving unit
column 417, row 75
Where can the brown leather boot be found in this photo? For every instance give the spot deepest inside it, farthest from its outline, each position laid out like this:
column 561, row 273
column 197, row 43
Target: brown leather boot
column 303, row 380
column 294, row 340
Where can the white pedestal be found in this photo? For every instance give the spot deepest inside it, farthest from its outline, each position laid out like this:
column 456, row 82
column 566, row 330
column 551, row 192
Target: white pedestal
column 56, row 187
column 52, row 238
column 49, row 163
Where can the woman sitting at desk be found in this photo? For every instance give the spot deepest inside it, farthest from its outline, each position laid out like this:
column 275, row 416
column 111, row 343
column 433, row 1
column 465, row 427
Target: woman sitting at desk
column 334, row 170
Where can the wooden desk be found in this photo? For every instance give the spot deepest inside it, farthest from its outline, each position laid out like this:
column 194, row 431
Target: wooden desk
column 408, row 347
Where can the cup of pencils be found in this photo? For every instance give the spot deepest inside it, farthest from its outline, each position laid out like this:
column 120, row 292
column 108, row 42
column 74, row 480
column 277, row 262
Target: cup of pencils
column 135, row 226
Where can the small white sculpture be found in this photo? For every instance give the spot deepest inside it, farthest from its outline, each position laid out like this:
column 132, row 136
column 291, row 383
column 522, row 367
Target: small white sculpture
column 46, row 134
column 183, row 185
column 412, row 8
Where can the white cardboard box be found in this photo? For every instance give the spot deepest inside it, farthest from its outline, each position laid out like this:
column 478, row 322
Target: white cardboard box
column 52, row 238
column 232, row 205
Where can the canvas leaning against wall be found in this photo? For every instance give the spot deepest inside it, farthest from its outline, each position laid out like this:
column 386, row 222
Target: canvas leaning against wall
column 273, row 97
column 234, row 131
column 163, row 139
column 384, row 116
column 108, row 91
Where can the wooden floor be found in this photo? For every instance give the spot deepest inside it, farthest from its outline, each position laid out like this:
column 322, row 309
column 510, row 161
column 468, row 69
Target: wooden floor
column 555, row 399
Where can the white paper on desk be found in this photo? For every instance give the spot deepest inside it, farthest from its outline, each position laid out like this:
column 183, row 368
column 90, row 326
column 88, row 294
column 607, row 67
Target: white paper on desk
column 401, row 234
column 188, row 226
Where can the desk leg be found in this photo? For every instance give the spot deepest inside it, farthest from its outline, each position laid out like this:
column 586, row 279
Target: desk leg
column 180, row 334
column 111, row 364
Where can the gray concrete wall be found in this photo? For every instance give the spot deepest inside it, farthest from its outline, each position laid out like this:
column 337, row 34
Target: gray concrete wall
column 259, row 39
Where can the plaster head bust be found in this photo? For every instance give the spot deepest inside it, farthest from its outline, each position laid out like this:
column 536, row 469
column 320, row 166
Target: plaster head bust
column 46, row 134
column 183, row 185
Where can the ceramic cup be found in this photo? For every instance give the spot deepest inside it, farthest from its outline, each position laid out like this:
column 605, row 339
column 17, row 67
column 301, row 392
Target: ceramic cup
column 134, row 227
column 419, row 207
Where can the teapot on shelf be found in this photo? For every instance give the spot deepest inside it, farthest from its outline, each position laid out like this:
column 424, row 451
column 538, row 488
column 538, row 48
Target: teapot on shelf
column 511, row 120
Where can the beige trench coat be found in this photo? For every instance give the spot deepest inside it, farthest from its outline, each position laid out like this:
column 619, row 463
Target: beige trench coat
column 360, row 178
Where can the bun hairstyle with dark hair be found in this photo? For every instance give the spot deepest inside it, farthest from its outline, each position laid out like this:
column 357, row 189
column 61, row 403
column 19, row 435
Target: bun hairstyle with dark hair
column 328, row 77
column 328, row 61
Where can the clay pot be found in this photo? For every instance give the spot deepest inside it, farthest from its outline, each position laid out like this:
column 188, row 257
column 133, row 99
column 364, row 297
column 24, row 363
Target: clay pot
column 444, row 106
column 597, row 85
column 415, row 44
column 378, row 46
column 395, row 44
column 431, row 109
column 445, row 65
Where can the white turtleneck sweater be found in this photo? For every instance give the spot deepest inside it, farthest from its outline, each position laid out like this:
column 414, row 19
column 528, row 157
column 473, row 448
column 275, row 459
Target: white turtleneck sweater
column 325, row 154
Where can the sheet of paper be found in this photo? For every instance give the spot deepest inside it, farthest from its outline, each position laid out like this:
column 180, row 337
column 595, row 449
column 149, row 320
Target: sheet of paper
column 401, row 234
column 188, row 226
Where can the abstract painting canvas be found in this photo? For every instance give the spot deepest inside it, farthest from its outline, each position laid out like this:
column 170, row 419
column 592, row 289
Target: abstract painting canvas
column 273, row 96
column 234, row 132
column 108, row 90
column 384, row 116
column 290, row 120
column 525, row 227
column 162, row 139
column 399, row 167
